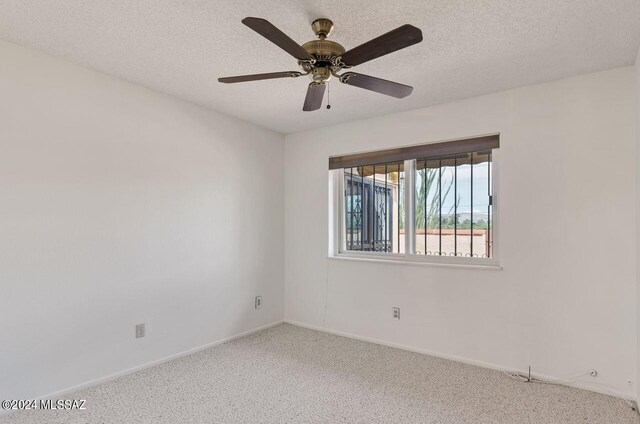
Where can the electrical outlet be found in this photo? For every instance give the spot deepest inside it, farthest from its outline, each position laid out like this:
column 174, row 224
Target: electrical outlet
column 139, row 331
column 258, row 302
column 396, row 312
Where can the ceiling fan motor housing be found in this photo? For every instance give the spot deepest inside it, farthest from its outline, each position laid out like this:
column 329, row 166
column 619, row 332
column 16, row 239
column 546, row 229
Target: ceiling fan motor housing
column 325, row 52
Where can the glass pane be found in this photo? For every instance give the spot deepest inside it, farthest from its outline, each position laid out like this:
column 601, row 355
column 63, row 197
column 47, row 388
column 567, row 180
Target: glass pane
column 453, row 207
column 435, row 207
column 372, row 207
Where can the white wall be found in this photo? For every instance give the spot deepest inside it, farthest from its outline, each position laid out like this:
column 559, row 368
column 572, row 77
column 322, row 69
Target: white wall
column 567, row 161
column 119, row 205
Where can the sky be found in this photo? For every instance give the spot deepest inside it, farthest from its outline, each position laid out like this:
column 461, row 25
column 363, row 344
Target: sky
column 480, row 188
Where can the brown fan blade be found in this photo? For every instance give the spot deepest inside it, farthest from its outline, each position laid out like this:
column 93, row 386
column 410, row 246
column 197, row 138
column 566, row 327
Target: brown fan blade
column 277, row 37
column 256, row 77
column 315, row 93
column 404, row 36
column 378, row 85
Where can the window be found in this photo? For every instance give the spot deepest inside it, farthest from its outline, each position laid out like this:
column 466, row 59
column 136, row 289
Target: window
column 373, row 208
column 433, row 202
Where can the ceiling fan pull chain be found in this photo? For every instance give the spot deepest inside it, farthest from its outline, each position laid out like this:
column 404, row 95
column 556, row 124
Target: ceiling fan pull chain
column 328, row 95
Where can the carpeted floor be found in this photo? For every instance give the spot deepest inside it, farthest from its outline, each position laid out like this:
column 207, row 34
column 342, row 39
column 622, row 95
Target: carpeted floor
column 288, row 374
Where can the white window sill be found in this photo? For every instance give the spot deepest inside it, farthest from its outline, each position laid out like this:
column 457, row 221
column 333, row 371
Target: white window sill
column 399, row 259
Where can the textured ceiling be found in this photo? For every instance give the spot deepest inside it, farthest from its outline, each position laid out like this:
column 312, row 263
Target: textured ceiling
column 470, row 47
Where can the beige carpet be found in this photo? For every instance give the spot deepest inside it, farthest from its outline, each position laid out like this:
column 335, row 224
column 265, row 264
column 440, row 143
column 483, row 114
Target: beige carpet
column 288, row 374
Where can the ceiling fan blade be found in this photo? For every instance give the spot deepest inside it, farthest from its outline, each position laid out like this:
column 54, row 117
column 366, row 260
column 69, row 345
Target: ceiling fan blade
column 401, row 37
column 378, row 85
column 277, row 37
column 315, row 93
column 256, row 77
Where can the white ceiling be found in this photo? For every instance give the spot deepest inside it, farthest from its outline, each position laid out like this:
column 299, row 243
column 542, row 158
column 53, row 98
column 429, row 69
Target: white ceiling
column 470, row 47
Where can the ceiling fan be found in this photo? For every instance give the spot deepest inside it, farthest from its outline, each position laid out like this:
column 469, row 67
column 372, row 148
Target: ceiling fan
column 322, row 59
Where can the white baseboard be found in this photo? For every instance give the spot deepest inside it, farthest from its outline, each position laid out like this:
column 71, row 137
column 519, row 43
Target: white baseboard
column 580, row 385
column 577, row 384
column 153, row 363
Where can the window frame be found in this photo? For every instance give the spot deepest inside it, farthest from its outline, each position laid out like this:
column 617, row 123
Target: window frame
column 337, row 225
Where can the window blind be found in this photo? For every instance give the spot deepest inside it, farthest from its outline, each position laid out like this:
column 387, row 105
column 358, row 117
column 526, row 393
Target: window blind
column 456, row 151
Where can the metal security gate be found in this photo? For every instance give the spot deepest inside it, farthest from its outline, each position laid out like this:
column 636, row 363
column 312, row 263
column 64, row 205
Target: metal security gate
column 369, row 214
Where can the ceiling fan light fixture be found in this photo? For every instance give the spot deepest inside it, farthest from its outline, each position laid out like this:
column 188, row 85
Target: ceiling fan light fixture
column 321, row 74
